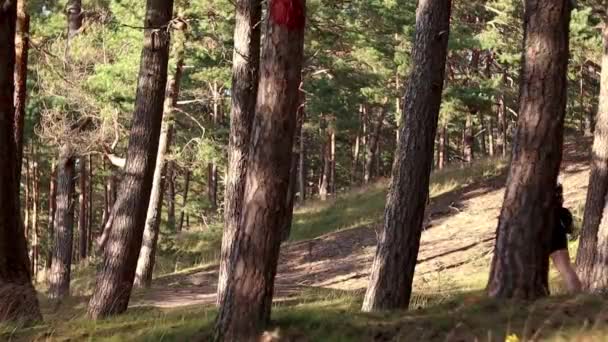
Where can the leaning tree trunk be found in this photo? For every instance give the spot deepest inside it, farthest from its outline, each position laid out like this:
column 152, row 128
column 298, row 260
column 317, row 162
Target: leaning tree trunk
column 59, row 280
column 247, row 300
column 18, row 301
column 145, row 263
column 598, row 182
column 390, row 284
column 115, row 279
column 521, row 257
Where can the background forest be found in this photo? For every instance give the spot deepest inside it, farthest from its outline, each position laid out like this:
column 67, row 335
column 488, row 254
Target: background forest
column 80, row 62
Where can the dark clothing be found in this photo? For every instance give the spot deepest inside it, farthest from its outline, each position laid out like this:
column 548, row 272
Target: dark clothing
column 562, row 227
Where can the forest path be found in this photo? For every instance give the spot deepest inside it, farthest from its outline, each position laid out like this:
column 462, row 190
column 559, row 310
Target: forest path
column 458, row 242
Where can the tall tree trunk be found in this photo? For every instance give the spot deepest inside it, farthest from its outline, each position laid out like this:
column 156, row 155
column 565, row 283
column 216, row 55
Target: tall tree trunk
column 491, row 147
column 293, row 172
column 171, row 195
column 255, row 247
column 115, row 279
column 74, row 13
column 147, row 254
column 90, row 207
column 324, row 175
column 22, row 46
column 521, row 257
column 35, row 200
column 51, row 212
column 182, row 214
column 502, row 141
column 82, row 213
column 27, row 203
column 443, row 146
column 469, row 139
column 18, row 301
column 598, row 180
column 372, row 145
column 212, row 184
column 482, row 134
column 332, row 158
column 390, row 284
column 302, row 163
column 59, row 282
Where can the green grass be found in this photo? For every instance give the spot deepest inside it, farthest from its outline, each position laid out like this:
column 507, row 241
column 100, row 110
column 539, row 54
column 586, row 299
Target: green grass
column 365, row 206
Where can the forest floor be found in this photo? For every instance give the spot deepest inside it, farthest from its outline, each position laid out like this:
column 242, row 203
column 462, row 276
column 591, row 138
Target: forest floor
column 323, row 272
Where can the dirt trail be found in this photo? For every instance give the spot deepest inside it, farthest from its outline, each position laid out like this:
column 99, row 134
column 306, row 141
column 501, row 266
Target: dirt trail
column 460, row 237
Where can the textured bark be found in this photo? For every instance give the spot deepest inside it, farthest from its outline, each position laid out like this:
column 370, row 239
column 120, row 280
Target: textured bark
column 90, row 207
column 59, row 281
column 115, row 279
column 212, row 184
column 302, row 164
column 22, row 46
column 468, row 139
column 325, row 170
column 83, row 212
column 595, row 204
column 35, row 232
column 390, row 283
column 182, row 214
column 17, row 295
column 147, row 254
column 372, row 146
column 501, row 141
column 521, row 256
column 171, row 195
column 74, row 14
column 246, row 303
column 293, row 174
column 51, row 212
column 26, row 202
column 443, row 147
column 491, row 147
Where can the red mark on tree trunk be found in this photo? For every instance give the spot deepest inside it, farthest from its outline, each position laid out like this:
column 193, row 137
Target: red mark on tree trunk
column 288, row 13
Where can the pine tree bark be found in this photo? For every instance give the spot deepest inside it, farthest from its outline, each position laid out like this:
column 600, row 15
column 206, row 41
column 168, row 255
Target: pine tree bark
column 371, row 147
column 35, row 201
column 293, row 173
column 18, row 301
column 115, row 279
column 51, row 211
column 59, row 281
column 147, row 254
column 392, row 273
column 22, row 46
column 82, row 213
column 182, row 214
column 90, row 207
column 469, row 139
column 246, row 303
column 302, row 164
column 171, row 196
column 212, row 184
column 324, row 175
column 74, row 14
column 26, row 202
column 595, row 204
column 443, row 146
column 521, row 256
